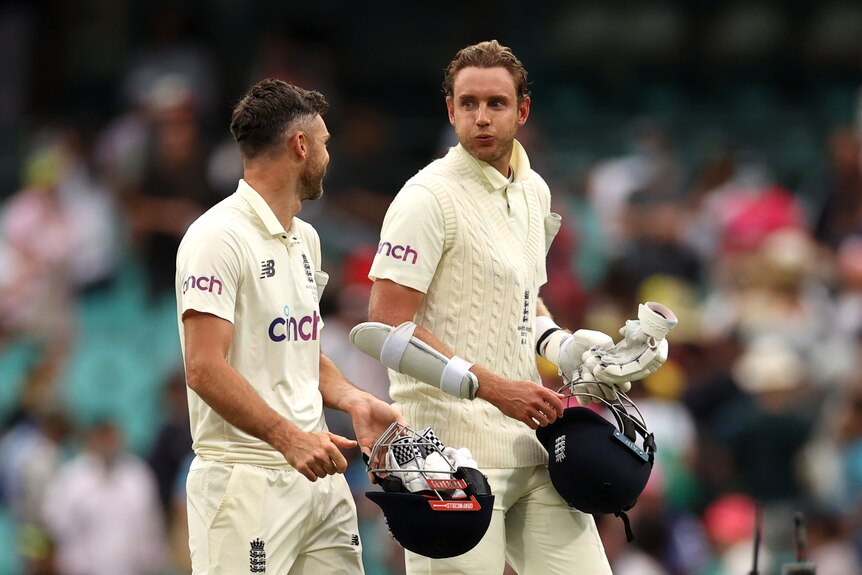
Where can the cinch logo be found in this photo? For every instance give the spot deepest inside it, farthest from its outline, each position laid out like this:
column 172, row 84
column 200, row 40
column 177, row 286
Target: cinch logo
column 292, row 328
column 204, row 284
column 397, row 252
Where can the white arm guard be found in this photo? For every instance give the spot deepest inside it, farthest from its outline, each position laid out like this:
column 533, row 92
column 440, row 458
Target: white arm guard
column 397, row 349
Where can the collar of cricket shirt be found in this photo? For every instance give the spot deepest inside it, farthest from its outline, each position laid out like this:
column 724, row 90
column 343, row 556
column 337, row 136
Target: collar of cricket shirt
column 520, row 165
column 262, row 209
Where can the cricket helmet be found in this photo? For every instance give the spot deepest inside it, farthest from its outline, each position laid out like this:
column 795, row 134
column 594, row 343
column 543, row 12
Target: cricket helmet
column 595, row 465
column 445, row 520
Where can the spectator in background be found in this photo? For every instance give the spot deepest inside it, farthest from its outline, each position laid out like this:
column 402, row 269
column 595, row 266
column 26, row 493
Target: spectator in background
column 735, row 217
column 171, row 48
column 848, row 287
column 651, row 165
column 102, row 510
column 173, row 441
column 38, row 238
column 31, row 452
column 839, row 211
column 175, row 188
column 777, row 288
column 58, row 240
column 655, row 243
column 729, row 523
column 766, row 429
column 847, row 433
column 830, row 542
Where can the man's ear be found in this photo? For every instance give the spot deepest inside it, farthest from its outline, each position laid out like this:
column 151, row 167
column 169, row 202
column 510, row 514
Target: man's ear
column 523, row 111
column 299, row 144
column 450, row 109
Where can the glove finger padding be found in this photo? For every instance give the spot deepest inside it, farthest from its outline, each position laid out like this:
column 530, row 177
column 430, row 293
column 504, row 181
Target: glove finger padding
column 626, row 363
column 584, row 392
column 588, row 390
column 575, row 347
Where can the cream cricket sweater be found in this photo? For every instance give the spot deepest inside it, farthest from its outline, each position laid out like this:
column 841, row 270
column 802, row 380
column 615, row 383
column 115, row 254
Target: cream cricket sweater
column 481, row 303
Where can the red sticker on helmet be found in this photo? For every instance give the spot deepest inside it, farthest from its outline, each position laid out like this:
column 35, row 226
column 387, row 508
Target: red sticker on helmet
column 455, row 504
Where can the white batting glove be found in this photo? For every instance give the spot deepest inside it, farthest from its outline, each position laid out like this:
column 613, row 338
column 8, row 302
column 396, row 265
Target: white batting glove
column 642, row 351
column 408, row 469
column 587, row 390
column 410, row 476
column 460, row 457
column 568, row 351
column 437, row 467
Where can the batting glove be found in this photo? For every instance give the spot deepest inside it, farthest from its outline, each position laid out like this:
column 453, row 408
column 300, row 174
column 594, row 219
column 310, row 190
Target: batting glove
column 587, row 390
column 568, row 351
column 642, row 351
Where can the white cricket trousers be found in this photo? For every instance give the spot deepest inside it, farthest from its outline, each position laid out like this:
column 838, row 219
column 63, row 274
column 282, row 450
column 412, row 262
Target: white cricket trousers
column 250, row 519
column 531, row 527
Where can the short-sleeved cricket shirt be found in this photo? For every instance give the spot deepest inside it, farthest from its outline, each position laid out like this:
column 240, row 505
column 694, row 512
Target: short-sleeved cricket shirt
column 238, row 262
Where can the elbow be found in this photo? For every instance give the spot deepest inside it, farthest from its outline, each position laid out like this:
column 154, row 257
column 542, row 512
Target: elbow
column 197, row 374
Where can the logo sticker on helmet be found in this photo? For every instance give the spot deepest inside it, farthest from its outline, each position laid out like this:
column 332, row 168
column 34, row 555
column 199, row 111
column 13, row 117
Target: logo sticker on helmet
column 455, row 505
column 560, row 448
column 631, row 445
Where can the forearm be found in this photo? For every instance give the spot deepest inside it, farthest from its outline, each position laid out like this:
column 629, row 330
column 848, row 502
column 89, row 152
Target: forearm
column 337, row 392
column 490, row 382
column 393, row 305
column 233, row 398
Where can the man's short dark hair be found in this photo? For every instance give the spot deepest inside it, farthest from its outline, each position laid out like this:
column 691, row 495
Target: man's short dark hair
column 270, row 109
column 490, row 54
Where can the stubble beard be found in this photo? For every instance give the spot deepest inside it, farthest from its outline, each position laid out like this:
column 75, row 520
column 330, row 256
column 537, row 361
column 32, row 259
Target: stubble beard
column 311, row 185
column 502, row 150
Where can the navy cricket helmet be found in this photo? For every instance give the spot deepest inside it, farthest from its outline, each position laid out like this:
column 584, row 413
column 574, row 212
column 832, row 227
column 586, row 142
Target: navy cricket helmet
column 445, row 520
column 596, row 466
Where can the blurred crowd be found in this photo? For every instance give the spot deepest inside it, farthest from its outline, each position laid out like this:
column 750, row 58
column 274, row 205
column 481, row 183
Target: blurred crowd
column 758, row 409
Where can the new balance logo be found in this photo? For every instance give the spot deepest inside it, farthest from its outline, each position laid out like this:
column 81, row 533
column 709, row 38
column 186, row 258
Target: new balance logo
column 560, row 448
column 257, row 557
column 354, row 540
column 267, row 269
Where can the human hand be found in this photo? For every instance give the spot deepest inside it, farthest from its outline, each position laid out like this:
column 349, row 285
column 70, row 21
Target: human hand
column 371, row 418
column 529, row 403
column 316, row 454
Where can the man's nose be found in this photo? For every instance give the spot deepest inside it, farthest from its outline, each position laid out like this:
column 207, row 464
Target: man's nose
column 482, row 117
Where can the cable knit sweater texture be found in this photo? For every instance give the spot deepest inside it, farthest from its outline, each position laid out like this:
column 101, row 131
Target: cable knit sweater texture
column 481, row 303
